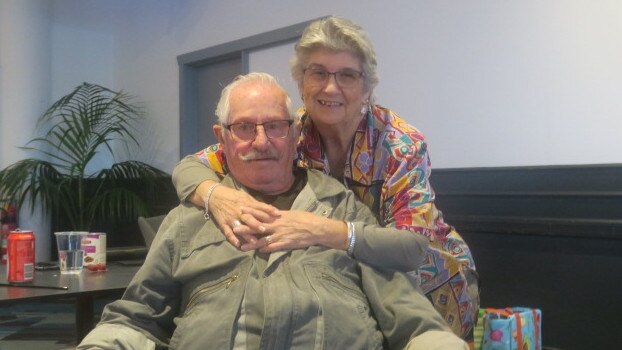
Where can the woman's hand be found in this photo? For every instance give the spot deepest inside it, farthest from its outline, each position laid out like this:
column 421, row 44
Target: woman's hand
column 295, row 230
column 226, row 208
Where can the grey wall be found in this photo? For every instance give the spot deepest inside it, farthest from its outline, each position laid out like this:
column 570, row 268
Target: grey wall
column 491, row 83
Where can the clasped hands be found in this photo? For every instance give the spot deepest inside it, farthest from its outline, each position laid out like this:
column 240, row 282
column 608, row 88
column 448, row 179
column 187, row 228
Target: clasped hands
column 252, row 225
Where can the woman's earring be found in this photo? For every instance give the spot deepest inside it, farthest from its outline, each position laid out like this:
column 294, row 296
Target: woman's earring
column 365, row 108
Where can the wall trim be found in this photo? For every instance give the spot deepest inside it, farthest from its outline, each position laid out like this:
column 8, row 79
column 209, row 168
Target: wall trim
column 582, row 201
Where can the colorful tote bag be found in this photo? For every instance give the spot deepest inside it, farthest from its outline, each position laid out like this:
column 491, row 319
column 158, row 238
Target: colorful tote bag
column 516, row 328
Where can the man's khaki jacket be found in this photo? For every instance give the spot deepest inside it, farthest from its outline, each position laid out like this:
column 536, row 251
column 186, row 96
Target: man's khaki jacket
column 193, row 287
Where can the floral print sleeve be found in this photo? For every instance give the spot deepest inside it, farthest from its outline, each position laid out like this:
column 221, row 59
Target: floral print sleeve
column 407, row 198
column 213, row 158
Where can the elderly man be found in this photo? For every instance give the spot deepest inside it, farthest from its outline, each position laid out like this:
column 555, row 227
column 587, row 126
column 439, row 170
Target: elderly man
column 196, row 291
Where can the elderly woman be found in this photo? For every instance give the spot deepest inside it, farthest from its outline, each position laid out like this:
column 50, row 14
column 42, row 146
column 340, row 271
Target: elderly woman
column 370, row 149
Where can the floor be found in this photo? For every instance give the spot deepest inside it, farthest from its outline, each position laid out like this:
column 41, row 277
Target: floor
column 39, row 326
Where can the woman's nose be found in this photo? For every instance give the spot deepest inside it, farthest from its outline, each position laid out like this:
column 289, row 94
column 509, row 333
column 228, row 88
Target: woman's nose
column 331, row 84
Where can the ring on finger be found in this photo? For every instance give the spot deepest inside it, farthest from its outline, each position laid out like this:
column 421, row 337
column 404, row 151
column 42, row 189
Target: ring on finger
column 268, row 239
column 236, row 223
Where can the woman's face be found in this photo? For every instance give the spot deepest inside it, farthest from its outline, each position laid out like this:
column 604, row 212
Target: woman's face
column 329, row 103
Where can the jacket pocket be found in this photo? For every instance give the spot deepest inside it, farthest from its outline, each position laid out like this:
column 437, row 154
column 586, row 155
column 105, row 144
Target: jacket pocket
column 203, row 291
column 346, row 315
column 205, row 307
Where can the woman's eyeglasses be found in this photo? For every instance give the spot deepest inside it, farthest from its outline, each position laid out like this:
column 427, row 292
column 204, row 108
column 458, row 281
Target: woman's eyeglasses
column 345, row 78
column 275, row 129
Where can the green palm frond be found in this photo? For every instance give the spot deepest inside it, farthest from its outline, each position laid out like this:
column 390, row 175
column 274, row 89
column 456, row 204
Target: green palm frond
column 84, row 122
column 116, row 204
column 87, row 121
column 130, row 170
column 31, row 179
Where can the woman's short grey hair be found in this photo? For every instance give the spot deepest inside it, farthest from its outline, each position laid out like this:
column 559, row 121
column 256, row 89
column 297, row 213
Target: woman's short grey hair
column 224, row 104
column 335, row 34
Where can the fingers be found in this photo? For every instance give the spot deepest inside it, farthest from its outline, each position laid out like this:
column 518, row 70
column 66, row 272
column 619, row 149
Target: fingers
column 230, row 236
column 247, row 211
column 250, row 225
column 261, row 211
column 277, row 242
column 263, row 245
column 256, row 244
column 224, row 219
column 245, row 231
column 232, row 200
column 230, row 230
column 241, row 217
column 256, row 218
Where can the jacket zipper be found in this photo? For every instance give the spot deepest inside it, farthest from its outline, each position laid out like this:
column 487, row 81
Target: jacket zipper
column 226, row 282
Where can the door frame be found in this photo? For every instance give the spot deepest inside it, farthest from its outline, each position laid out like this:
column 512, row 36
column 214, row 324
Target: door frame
column 190, row 62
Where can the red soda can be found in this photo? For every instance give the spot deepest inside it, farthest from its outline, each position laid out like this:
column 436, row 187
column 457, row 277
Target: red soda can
column 21, row 256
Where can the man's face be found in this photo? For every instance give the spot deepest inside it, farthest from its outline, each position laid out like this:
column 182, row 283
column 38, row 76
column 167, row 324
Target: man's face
column 263, row 164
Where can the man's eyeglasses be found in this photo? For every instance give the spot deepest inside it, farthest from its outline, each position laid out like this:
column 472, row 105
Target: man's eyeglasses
column 346, row 78
column 275, row 129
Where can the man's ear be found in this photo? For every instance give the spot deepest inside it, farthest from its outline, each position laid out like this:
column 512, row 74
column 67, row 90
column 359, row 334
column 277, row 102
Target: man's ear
column 218, row 129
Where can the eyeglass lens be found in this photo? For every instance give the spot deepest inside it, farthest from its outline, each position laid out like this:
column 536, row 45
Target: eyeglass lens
column 275, row 129
column 345, row 77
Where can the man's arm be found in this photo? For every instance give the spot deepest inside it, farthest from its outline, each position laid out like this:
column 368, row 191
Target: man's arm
column 405, row 316
column 114, row 336
column 143, row 318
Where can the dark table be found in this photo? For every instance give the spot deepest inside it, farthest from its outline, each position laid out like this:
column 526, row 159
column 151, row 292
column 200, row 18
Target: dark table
column 84, row 287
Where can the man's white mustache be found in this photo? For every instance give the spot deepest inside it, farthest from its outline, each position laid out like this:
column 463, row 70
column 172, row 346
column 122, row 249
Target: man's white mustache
column 254, row 155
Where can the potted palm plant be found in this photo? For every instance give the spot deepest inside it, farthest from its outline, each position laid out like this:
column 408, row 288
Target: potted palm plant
column 90, row 120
